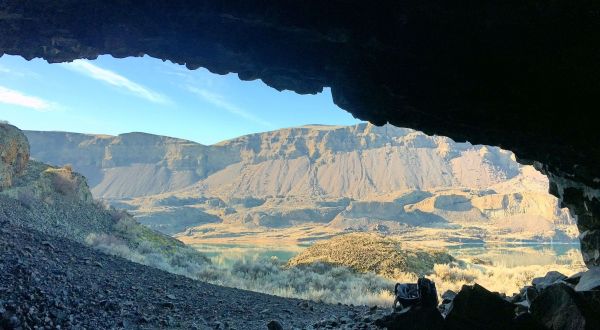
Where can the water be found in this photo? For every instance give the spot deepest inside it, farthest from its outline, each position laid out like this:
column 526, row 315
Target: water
column 506, row 254
column 520, row 254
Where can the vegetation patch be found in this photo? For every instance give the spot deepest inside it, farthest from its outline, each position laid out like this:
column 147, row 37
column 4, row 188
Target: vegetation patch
column 362, row 252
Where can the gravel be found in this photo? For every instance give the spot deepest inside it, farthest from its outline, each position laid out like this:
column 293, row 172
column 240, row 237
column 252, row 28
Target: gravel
column 55, row 282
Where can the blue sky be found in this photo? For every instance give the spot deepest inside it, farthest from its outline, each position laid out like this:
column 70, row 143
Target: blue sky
column 113, row 96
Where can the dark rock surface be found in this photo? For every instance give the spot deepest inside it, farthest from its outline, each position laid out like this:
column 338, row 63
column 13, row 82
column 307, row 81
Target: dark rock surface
column 413, row 318
column 589, row 280
column 560, row 307
column 474, row 307
column 521, row 75
column 550, row 278
column 48, row 281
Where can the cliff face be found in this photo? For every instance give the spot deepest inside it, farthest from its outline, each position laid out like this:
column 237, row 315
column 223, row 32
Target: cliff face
column 132, row 164
column 14, row 154
column 351, row 161
column 358, row 177
column 54, row 200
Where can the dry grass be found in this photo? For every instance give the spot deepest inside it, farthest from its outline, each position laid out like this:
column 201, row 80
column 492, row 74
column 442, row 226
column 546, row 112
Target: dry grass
column 494, row 278
column 331, row 282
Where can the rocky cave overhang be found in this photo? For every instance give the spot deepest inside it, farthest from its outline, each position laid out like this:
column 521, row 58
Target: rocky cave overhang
column 523, row 75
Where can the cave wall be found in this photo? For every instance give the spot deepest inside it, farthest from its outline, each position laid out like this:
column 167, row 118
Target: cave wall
column 523, row 75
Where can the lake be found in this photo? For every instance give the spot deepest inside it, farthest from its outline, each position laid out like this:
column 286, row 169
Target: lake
column 506, row 254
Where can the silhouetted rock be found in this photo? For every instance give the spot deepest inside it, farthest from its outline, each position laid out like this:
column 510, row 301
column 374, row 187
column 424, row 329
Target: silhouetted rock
column 530, row 294
column 448, row 296
column 428, row 293
column 589, row 280
column 560, row 307
column 474, row 307
column 550, row 278
column 274, row 325
column 413, row 318
column 574, row 279
column 525, row 321
column 446, row 305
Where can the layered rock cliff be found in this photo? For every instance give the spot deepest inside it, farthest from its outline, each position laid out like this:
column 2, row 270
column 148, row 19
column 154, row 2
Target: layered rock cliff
column 358, row 177
column 14, row 154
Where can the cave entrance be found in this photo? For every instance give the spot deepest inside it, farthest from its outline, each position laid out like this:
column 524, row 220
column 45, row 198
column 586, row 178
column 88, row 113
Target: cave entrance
column 244, row 172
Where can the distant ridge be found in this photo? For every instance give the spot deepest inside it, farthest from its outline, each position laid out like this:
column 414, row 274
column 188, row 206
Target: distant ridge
column 365, row 174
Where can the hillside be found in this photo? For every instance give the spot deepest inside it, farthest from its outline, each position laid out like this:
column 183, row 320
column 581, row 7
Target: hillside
column 56, row 201
column 351, row 178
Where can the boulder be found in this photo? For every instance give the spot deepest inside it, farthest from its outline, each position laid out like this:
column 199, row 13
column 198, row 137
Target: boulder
column 591, row 303
column 413, row 318
column 448, row 296
column 274, row 325
column 428, row 292
column 14, row 154
column 560, row 307
column 525, row 321
column 529, row 293
column 574, row 279
column 589, row 280
column 474, row 307
column 550, row 278
column 446, row 305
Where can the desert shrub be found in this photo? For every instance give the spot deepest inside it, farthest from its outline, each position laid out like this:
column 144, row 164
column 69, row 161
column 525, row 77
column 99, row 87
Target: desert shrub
column 128, row 227
column 26, row 198
column 507, row 280
column 319, row 282
column 454, row 274
column 63, row 181
column 117, row 215
column 111, row 244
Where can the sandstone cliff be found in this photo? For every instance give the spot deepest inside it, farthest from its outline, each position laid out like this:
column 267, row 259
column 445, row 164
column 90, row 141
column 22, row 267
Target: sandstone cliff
column 14, row 154
column 359, row 177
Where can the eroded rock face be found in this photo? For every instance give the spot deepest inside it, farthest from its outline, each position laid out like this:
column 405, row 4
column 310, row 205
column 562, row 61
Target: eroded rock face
column 583, row 201
column 521, row 75
column 14, row 154
column 309, row 174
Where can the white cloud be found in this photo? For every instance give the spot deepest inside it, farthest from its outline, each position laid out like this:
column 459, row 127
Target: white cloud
column 115, row 79
column 20, row 73
column 219, row 101
column 13, row 97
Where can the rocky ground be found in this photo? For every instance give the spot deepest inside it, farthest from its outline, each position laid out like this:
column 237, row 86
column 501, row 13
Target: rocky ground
column 54, row 282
